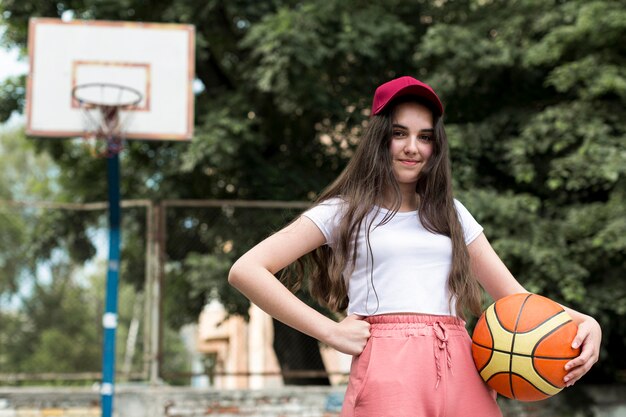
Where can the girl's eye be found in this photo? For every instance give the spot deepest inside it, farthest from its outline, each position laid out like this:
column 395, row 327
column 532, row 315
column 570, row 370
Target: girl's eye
column 398, row 133
column 426, row 138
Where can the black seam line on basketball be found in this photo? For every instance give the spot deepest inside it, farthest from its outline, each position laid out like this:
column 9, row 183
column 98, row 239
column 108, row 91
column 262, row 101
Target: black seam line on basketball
column 522, row 377
column 492, row 343
column 538, row 343
column 524, row 355
column 502, row 326
column 519, row 315
column 543, row 322
column 548, row 334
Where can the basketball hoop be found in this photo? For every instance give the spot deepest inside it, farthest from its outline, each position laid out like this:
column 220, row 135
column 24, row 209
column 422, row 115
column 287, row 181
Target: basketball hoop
column 101, row 105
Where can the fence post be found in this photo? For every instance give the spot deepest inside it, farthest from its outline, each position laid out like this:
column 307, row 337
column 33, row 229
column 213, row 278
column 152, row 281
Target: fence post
column 155, row 303
column 148, row 283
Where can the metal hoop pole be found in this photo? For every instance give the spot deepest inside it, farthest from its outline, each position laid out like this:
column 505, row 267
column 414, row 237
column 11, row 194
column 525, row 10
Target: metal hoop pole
column 109, row 320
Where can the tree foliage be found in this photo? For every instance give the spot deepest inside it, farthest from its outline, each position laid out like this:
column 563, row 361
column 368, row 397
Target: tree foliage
column 50, row 308
column 56, row 327
column 534, row 93
column 23, row 175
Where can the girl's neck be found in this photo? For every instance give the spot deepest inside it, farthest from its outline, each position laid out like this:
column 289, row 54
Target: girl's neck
column 410, row 201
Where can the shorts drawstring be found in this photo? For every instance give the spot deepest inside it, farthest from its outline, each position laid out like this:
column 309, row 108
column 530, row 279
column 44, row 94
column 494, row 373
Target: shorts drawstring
column 442, row 329
column 441, row 344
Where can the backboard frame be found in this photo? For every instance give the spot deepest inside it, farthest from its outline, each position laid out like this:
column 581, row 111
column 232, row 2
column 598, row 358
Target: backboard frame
column 144, row 70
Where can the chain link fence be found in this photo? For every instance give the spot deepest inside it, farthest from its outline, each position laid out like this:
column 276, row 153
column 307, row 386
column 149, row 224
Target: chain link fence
column 52, row 284
column 179, row 322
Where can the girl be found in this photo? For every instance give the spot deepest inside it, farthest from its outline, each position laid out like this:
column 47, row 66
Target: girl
column 390, row 243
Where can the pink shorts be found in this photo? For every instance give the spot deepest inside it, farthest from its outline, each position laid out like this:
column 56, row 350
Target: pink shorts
column 417, row 365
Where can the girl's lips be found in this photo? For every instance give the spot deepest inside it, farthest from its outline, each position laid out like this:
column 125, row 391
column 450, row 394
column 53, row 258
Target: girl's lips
column 408, row 162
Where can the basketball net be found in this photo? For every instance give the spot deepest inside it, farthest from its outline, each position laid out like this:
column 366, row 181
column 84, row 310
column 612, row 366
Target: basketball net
column 105, row 125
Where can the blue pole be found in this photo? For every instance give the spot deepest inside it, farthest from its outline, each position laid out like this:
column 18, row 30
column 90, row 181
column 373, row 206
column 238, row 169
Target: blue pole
column 109, row 320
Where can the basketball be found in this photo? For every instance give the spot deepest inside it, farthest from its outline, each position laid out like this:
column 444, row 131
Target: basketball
column 521, row 344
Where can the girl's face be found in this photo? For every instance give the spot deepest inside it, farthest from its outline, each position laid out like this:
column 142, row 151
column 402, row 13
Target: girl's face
column 411, row 142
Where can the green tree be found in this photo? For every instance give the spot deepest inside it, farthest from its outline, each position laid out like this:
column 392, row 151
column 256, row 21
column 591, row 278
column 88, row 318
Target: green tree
column 534, row 94
column 23, row 175
column 63, row 329
column 50, row 313
column 537, row 93
column 57, row 327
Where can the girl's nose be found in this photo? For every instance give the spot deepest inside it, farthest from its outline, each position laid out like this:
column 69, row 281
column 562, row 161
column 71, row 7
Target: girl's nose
column 411, row 145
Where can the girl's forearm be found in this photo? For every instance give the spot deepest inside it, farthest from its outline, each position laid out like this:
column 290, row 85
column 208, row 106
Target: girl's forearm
column 264, row 290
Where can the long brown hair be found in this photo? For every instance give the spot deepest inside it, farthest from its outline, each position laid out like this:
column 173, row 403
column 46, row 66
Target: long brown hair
column 367, row 177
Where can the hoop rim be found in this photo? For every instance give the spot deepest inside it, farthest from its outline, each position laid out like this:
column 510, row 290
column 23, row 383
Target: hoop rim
column 89, row 102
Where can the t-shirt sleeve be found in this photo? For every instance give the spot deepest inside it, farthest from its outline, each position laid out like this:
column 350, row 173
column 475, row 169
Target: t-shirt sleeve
column 326, row 216
column 471, row 228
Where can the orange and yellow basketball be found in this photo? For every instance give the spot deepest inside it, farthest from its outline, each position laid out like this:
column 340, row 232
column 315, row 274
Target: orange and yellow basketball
column 521, row 344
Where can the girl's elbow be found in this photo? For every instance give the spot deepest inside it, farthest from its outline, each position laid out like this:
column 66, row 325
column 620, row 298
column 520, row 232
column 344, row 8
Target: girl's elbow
column 234, row 275
column 244, row 272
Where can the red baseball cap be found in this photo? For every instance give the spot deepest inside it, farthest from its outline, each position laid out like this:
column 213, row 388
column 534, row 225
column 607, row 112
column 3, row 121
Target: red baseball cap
column 404, row 86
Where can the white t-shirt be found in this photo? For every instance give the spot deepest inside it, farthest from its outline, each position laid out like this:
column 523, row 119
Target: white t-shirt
column 410, row 264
